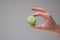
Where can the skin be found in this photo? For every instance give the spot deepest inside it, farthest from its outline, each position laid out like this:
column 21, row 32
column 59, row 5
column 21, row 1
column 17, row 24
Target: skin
column 49, row 25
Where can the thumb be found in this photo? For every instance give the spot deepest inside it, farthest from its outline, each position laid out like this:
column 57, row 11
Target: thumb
column 38, row 26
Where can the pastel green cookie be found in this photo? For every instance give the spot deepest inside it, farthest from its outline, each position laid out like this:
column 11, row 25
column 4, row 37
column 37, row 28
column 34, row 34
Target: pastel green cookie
column 31, row 20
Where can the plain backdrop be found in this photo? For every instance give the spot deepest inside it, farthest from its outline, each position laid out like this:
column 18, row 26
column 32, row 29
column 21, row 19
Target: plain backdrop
column 13, row 15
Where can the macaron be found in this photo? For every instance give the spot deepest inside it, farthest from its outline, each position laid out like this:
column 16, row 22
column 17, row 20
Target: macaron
column 31, row 20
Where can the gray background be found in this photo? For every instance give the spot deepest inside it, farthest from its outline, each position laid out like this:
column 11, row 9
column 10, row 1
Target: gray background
column 13, row 15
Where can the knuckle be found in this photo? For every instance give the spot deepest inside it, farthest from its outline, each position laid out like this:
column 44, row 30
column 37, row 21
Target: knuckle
column 49, row 15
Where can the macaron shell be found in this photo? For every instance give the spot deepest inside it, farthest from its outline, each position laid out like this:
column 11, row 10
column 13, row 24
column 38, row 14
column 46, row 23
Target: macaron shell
column 31, row 20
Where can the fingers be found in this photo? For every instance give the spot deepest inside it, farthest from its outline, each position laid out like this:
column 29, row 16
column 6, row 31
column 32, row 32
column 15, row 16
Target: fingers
column 42, row 12
column 39, row 14
column 39, row 9
column 39, row 26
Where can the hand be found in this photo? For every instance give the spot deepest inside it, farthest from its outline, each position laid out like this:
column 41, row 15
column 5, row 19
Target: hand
column 49, row 24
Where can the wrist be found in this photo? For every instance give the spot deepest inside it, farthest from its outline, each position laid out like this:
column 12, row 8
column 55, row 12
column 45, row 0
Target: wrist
column 57, row 29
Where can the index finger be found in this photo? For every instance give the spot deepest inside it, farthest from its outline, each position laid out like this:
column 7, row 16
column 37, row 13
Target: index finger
column 38, row 9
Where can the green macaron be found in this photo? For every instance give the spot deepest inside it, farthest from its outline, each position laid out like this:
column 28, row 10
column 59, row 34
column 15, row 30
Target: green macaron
column 31, row 20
